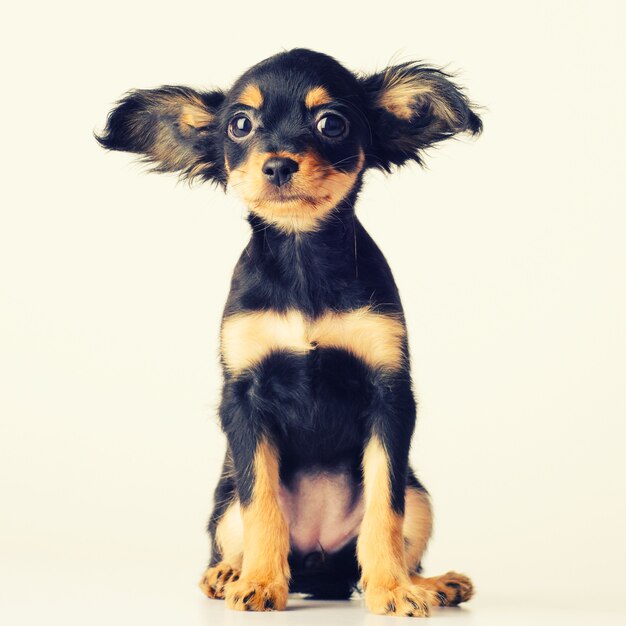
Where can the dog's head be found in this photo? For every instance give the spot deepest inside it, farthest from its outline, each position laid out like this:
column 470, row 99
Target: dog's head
column 294, row 134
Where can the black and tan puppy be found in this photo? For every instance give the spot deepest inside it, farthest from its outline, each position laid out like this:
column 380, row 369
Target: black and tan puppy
column 316, row 494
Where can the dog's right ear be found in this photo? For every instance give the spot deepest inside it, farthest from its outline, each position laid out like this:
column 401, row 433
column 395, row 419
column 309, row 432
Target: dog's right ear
column 412, row 107
column 174, row 128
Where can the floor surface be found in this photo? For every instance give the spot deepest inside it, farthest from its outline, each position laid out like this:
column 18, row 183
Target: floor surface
column 32, row 594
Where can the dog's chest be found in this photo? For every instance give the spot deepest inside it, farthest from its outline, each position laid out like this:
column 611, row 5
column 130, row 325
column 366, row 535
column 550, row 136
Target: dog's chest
column 323, row 510
column 248, row 338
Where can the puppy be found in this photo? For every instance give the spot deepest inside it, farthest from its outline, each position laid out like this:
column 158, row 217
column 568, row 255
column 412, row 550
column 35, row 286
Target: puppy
column 316, row 494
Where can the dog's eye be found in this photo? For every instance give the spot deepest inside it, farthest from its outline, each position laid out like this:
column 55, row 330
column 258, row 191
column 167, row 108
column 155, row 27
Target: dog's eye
column 332, row 125
column 240, row 126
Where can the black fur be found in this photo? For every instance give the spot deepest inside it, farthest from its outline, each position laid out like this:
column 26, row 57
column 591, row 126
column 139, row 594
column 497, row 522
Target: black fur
column 319, row 409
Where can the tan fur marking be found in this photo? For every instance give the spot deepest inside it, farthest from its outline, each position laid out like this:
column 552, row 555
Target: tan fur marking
column 249, row 337
column 381, row 540
column 450, row 589
column 418, row 525
column 229, row 535
column 266, row 536
column 380, row 546
column 305, row 202
column 265, row 569
column 251, row 96
column 229, row 538
column 316, row 97
column 375, row 338
column 196, row 116
column 214, row 580
column 402, row 93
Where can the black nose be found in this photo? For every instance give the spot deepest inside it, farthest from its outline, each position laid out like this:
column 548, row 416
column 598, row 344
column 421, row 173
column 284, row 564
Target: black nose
column 279, row 170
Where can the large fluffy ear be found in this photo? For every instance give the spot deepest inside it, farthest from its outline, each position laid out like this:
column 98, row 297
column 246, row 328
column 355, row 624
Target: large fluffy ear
column 172, row 127
column 412, row 107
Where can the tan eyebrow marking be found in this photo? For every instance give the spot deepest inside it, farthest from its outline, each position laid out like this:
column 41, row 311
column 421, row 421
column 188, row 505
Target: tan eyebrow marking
column 375, row 338
column 251, row 96
column 316, row 97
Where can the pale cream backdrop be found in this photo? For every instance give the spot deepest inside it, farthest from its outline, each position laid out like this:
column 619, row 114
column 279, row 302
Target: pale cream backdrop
column 508, row 251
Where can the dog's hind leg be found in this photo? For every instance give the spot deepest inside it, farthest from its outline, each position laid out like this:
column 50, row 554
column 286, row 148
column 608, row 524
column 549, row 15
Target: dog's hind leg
column 226, row 531
column 228, row 553
column 418, row 525
column 448, row 590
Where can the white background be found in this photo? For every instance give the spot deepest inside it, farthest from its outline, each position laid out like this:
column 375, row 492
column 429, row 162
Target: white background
column 508, row 251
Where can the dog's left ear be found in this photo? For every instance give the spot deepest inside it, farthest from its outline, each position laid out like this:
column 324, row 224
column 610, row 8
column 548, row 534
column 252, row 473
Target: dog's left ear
column 412, row 107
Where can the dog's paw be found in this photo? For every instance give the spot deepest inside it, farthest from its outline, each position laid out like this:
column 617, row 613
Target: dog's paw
column 455, row 588
column 214, row 579
column 404, row 600
column 252, row 595
column 451, row 589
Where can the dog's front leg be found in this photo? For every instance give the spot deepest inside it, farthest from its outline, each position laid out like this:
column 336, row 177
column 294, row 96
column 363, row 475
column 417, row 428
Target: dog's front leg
column 264, row 581
column 380, row 547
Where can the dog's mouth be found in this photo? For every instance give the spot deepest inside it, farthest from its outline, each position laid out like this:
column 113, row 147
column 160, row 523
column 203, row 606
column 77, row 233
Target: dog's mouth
column 300, row 204
column 285, row 197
